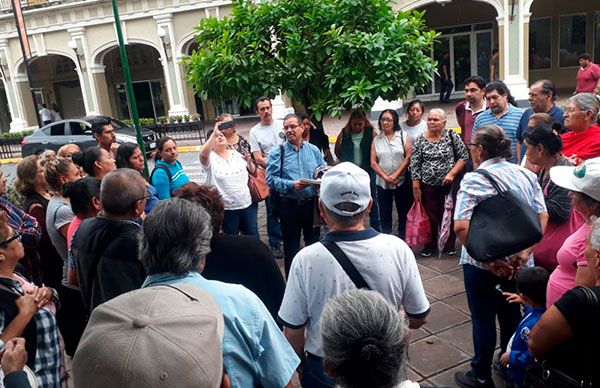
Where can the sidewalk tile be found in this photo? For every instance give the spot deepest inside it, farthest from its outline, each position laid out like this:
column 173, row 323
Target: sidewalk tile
column 458, row 273
column 459, row 336
column 431, row 355
column 446, row 379
column 426, row 272
column 442, row 265
column 459, row 301
column 412, row 375
column 417, row 334
column 443, row 317
column 443, row 286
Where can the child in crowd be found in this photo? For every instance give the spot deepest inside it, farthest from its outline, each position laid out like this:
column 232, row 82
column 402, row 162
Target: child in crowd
column 531, row 288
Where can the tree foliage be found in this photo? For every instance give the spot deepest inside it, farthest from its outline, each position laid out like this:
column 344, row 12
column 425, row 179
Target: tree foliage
column 328, row 54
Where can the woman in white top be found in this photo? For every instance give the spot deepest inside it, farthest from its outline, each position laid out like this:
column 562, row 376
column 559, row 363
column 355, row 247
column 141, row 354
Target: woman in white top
column 227, row 170
column 390, row 156
column 414, row 124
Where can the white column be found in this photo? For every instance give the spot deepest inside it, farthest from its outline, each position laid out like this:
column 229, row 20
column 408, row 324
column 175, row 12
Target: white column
column 173, row 76
column 512, row 26
column 88, row 89
column 18, row 122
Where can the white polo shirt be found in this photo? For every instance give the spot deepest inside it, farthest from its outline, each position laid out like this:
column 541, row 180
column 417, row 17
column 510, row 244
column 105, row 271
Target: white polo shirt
column 385, row 262
column 265, row 137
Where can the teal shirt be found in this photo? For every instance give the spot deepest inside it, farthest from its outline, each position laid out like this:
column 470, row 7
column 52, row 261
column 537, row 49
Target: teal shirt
column 160, row 179
column 255, row 352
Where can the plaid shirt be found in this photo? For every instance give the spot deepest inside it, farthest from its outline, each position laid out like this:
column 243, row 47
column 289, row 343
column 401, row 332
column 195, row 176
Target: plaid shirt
column 48, row 355
column 475, row 188
column 23, row 223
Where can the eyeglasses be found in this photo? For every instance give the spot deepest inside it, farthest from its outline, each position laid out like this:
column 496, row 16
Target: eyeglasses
column 386, row 120
column 17, row 236
column 573, row 110
column 290, row 127
column 146, row 197
column 473, row 145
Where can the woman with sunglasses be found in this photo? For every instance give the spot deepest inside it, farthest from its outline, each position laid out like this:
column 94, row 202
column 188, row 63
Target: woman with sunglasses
column 228, row 170
column 28, row 311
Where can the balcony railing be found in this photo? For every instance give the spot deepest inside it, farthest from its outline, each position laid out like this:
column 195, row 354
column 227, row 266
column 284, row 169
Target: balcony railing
column 6, row 5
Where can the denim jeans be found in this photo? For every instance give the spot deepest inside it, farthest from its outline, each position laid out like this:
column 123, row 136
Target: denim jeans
column 273, row 226
column 241, row 220
column 374, row 220
column 485, row 302
column 313, row 375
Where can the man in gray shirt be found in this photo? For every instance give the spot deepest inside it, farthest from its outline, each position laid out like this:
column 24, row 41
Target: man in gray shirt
column 264, row 136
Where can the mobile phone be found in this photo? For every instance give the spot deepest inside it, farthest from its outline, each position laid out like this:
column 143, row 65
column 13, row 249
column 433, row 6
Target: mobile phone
column 499, row 289
column 226, row 125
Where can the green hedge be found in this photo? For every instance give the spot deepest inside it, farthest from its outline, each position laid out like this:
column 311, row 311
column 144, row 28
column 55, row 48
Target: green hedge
column 13, row 135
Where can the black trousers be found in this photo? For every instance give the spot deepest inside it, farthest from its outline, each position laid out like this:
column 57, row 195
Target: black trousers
column 71, row 317
column 297, row 216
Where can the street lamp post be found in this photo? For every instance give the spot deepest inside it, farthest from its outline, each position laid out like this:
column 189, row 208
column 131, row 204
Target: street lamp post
column 129, row 85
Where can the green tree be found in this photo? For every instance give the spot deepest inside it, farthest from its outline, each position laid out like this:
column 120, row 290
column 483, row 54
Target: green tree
column 328, row 54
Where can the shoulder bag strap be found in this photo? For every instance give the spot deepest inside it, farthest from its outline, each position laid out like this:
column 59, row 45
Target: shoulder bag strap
column 453, row 147
column 590, row 295
column 281, row 154
column 491, row 179
column 346, row 264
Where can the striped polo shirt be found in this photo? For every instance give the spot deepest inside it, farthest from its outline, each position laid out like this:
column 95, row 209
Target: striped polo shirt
column 509, row 121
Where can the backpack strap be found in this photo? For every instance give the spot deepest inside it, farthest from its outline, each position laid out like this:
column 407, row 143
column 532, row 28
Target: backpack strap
column 165, row 169
column 346, row 264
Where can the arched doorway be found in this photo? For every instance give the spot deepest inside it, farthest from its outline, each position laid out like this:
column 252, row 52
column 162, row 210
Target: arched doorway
column 148, row 81
column 55, row 81
column 469, row 36
column 5, row 117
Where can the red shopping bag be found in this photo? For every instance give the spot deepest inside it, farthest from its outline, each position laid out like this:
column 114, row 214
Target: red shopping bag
column 418, row 227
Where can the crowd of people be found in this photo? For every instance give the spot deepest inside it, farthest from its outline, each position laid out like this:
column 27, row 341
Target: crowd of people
column 159, row 281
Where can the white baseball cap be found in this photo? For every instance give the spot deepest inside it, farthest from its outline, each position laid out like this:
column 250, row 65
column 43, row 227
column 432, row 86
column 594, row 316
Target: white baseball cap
column 584, row 178
column 346, row 183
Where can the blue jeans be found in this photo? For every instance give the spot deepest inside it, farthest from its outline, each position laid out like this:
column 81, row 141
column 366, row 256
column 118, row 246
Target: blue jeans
column 313, row 375
column 374, row 220
column 273, row 227
column 485, row 302
column 241, row 220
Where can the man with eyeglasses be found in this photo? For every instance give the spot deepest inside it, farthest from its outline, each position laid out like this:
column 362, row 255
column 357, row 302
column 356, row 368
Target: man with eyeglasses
column 105, row 248
column 542, row 95
column 288, row 164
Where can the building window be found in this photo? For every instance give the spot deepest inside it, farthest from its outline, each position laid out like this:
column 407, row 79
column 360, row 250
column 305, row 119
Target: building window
column 572, row 30
column 540, row 38
column 597, row 37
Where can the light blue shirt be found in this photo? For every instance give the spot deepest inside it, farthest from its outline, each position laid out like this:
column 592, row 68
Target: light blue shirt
column 297, row 163
column 509, row 122
column 475, row 188
column 255, row 352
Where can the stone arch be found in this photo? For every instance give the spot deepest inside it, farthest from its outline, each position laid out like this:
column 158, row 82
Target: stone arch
column 184, row 44
column 414, row 4
column 97, row 56
column 19, row 66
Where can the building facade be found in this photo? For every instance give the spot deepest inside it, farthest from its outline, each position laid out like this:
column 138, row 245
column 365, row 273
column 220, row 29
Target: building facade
column 76, row 64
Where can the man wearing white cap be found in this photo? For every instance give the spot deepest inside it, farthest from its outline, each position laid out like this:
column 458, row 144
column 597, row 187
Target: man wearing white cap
column 349, row 256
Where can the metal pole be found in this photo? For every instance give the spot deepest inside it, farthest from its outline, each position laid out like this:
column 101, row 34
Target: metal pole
column 20, row 23
column 129, row 86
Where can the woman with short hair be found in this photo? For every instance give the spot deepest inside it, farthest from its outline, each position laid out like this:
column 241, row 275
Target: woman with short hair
column 489, row 149
column 228, row 170
column 438, row 156
column 365, row 341
column 582, row 142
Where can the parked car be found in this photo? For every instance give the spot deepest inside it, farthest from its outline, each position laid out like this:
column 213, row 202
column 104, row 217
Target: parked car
column 79, row 131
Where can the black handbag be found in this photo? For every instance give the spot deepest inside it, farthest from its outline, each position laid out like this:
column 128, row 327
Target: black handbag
column 502, row 225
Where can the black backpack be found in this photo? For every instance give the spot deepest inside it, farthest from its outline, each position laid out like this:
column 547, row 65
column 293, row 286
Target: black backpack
column 165, row 169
